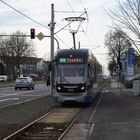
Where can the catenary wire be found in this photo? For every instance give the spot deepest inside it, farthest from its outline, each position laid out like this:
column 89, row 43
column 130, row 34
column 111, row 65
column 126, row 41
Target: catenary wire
column 24, row 14
column 31, row 19
column 63, row 41
column 87, row 19
column 69, row 11
column 82, row 4
column 67, row 24
column 71, row 6
column 88, row 24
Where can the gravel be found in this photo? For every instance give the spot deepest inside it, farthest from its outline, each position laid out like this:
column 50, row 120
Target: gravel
column 16, row 116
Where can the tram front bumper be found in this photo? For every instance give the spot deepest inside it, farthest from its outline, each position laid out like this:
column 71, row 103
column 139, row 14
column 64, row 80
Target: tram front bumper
column 82, row 98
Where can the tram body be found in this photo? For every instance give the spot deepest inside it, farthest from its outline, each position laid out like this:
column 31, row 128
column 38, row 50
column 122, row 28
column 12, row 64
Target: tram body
column 74, row 73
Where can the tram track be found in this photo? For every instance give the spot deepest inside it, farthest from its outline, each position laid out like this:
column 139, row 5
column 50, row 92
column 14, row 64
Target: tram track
column 56, row 124
column 51, row 126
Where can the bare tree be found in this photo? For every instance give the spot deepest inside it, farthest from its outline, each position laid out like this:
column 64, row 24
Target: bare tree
column 4, row 54
column 117, row 44
column 112, row 67
column 127, row 14
column 20, row 48
column 14, row 49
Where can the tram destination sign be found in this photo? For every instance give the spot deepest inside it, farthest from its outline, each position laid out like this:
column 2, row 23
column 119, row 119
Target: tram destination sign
column 70, row 60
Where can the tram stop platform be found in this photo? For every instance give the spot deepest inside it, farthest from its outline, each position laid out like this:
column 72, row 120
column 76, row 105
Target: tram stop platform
column 118, row 115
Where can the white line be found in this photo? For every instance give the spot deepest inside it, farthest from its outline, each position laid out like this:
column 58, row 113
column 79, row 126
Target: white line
column 91, row 117
column 20, row 102
column 9, row 99
column 94, row 111
column 16, row 93
column 6, row 87
column 91, row 129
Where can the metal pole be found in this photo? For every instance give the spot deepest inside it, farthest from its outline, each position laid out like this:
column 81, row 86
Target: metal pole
column 73, row 34
column 121, row 82
column 52, row 31
column 79, row 45
column 52, row 45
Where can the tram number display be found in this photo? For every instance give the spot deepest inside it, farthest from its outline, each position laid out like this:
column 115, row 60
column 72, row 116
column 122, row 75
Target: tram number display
column 70, row 60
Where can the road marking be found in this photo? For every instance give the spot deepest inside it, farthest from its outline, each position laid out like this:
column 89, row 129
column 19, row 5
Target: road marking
column 9, row 99
column 16, row 93
column 5, row 87
column 94, row 111
column 91, row 117
column 17, row 103
column 91, row 130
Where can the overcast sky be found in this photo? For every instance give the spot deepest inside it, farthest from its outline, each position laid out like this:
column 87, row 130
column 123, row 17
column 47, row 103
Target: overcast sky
column 95, row 26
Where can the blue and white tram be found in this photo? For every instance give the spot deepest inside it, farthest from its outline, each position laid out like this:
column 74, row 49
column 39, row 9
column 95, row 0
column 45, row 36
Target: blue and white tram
column 74, row 73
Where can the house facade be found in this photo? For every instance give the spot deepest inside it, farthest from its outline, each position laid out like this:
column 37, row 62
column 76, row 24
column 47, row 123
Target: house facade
column 31, row 66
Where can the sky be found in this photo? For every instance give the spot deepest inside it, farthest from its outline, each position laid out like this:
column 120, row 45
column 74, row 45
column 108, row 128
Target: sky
column 90, row 34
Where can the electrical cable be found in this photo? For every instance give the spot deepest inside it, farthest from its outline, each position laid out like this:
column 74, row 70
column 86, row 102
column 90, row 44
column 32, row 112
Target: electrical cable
column 24, row 14
column 67, row 24
column 82, row 4
column 63, row 41
column 87, row 19
column 71, row 6
column 31, row 19
column 88, row 25
column 69, row 11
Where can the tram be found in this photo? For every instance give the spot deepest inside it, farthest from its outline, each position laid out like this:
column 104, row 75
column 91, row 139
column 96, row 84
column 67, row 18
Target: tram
column 74, row 73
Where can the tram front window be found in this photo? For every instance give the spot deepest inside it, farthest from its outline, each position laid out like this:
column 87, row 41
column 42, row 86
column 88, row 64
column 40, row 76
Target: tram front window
column 71, row 73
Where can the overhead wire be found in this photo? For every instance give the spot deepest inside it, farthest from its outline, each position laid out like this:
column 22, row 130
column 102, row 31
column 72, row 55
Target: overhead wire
column 88, row 25
column 69, row 11
column 87, row 19
column 82, row 4
column 55, row 11
column 70, row 6
column 63, row 41
column 31, row 19
column 75, row 12
column 67, row 24
column 23, row 14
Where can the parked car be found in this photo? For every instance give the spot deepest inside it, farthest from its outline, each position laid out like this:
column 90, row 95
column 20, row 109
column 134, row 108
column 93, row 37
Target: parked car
column 24, row 82
column 3, row 78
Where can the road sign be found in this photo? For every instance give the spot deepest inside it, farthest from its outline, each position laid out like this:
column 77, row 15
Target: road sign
column 40, row 36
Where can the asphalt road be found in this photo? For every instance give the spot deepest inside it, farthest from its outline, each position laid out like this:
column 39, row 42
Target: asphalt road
column 10, row 96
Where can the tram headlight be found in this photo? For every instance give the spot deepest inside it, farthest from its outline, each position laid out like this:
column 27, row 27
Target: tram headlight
column 83, row 88
column 59, row 88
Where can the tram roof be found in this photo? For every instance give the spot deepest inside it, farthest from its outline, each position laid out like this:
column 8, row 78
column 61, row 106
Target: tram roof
column 74, row 52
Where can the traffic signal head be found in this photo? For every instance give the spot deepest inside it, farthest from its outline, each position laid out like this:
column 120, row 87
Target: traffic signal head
column 32, row 33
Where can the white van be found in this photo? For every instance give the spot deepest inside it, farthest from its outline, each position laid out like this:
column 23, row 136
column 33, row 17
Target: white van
column 3, row 78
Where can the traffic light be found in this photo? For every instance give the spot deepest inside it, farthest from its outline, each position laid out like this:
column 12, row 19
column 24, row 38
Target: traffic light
column 32, row 33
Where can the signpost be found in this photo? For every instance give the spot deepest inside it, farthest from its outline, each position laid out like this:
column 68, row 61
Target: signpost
column 40, row 36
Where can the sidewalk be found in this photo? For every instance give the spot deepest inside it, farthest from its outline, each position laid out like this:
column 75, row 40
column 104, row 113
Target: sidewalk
column 118, row 115
column 115, row 85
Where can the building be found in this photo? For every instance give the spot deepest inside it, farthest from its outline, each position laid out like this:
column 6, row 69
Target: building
column 30, row 66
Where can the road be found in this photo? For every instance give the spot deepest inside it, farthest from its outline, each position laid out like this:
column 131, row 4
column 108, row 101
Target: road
column 10, row 96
